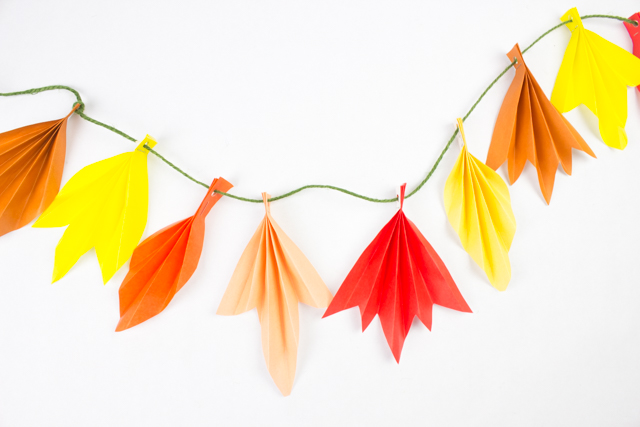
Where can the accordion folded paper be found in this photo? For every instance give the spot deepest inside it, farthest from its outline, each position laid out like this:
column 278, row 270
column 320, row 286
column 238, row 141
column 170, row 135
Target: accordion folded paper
column 530, row 128
column 478, row 206
column 31, row 164
column 164, row 262
column 399, row 276
column 273, row 275
column 596, row 73
column 634, row 33
column 105, row 206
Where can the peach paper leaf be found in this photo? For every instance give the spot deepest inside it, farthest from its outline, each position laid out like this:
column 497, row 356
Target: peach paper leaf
column 273, row 275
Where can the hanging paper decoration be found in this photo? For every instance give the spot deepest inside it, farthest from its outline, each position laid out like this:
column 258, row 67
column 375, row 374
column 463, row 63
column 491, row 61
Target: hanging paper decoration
column 634, row 33
column 596, row 73
column 105, row 206
column 164, row 262
column 273, row 275
column 530, row 128
column 479, row 209
column 399, row 276
column 31, row 164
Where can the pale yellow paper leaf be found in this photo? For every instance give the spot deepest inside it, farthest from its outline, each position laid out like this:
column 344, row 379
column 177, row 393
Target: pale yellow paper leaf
column 478, row 206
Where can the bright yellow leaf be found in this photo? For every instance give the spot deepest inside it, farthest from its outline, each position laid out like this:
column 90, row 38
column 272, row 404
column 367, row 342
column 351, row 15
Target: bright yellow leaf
column 105, row 207
column 479, row 209
column 596, row 73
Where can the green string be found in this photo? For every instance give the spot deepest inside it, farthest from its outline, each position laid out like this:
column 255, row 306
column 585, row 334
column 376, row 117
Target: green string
column 80, row 112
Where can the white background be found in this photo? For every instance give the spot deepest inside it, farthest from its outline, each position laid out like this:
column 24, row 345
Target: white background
column 274, row 95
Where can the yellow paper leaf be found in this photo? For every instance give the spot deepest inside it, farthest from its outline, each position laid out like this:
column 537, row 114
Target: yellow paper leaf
column 105, row 207
column 479, row 209
column 596, row 73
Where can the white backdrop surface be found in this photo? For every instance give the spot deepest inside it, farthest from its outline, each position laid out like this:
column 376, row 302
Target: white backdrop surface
column 274, row 95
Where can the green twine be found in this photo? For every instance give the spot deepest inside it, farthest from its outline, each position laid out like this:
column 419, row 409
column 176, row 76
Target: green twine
column 80, row 112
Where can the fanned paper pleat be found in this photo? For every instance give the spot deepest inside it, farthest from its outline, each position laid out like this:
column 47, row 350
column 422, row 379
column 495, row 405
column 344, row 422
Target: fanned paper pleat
column 478, row 206
column 31, row 164
column 105, row 206
column 596, row 73
column 273, row 275
column 164, row 262
column 398, row 277
column 634, row 33
column 530, row 128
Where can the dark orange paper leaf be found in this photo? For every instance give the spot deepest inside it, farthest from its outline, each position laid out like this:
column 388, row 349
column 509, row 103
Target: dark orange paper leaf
column 164, row 262
column 530, row 128
column 31, row 163
column 399, row 276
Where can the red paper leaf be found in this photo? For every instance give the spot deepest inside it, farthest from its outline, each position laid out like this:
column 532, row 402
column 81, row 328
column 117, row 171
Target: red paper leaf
column 398, row 276
column 163, row 263
column 31, row 163
column 634, row 33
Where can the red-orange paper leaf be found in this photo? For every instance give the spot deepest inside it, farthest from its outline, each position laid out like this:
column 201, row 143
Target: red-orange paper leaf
column 634, row 33
column 530, row 128
column 31, row 163
column 399, row 276
column 164, row 262
column 273, row 275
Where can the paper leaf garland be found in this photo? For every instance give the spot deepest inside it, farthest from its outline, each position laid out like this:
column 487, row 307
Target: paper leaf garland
column 31, row 164
column 634, row 33
column 105, row 206
column 273, row 275
column 399, row 276
column 164, row 262
column 479, row 209
column 530, row 128
column 596, row 73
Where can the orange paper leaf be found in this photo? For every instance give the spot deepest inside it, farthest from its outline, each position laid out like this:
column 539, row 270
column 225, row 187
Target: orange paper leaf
column 164, row 262
column 31, row 163
column 530, row 128
column 273, row 275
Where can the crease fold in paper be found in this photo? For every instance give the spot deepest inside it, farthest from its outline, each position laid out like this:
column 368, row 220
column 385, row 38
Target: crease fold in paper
column 104, row 206
column 399, row 276
column 273, row 275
